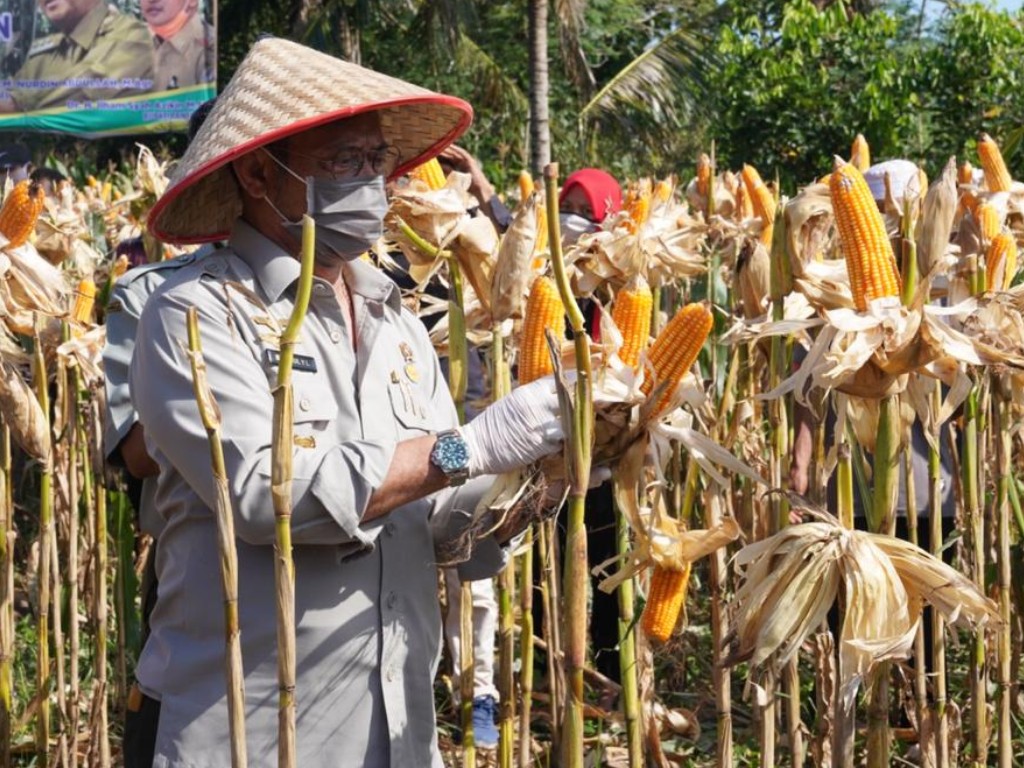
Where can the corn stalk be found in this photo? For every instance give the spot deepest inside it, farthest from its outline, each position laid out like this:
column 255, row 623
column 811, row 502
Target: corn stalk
column 7, row 636
column 281, row 491
column 580, row 435
column 940, row 722
column 100, row 599
column 45, row 532
column 210, row 415
column 1003, row 427
column 976, row 526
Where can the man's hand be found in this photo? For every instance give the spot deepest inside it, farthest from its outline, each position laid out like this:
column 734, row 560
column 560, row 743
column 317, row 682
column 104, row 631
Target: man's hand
column 460, row 160
column 133, row 453
column 515, row 431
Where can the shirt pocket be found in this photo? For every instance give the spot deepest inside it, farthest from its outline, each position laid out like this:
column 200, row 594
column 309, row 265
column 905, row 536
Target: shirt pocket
column 314, row 411
column 409, row 404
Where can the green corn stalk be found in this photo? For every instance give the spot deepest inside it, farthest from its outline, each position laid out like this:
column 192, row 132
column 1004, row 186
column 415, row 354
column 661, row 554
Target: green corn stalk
column 1003, row 428
column 882, row 519
column 526, row 649
column 6, row 596
column 976, row 526
column 100, row 600
column 939, row 721
column 281, row 491
column 627, row 654
column 579, row 434
column 210, row 415
column 43, row 683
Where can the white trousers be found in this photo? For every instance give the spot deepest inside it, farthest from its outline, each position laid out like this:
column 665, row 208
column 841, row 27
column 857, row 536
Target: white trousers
column 485, row 624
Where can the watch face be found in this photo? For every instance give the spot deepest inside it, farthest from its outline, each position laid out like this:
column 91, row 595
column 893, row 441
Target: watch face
column 450, row 453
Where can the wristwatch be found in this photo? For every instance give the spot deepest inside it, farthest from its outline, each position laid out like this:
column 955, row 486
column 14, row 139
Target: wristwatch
column 450, row 454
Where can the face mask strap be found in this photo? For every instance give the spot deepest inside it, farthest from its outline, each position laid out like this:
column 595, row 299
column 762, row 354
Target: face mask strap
column 293, row 174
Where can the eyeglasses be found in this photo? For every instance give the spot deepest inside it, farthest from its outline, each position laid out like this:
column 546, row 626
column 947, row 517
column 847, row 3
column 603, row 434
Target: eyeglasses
column 350, row 161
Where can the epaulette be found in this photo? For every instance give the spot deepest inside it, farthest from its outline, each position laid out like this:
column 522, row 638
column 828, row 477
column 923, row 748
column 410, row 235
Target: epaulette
column 44, row 44
column 177, row 262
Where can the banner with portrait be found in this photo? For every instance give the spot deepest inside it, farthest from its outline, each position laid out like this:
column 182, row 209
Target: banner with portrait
column 101, row 67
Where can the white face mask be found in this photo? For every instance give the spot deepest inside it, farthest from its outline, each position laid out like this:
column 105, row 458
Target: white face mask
column 348, row 213
column 573, row 225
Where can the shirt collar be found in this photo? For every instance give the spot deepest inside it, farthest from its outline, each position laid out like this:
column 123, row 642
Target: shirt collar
column 275, row 269
column 86, row 30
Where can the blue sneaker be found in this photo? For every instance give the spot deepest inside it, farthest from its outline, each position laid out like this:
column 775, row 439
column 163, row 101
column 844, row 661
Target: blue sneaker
column 485, row 732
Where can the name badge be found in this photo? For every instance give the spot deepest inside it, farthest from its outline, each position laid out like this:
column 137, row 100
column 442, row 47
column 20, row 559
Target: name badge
column 299, row 362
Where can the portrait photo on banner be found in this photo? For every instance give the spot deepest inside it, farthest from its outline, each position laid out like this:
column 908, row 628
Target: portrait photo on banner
column 104, row 67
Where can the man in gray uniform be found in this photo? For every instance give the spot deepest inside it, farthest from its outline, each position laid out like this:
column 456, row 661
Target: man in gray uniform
column 379, row 467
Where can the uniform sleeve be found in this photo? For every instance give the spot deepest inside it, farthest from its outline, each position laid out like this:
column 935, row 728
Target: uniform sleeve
column 333, row 481
column 122, row 322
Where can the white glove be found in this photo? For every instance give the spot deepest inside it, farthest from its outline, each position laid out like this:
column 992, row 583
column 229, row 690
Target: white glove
column 515, row 431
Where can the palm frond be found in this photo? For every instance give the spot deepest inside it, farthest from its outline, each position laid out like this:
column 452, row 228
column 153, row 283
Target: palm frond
column 569, row 14
column 493, row 90
column 663, row 86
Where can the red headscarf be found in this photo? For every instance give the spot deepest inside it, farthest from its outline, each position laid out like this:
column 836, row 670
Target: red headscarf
column 602, row 190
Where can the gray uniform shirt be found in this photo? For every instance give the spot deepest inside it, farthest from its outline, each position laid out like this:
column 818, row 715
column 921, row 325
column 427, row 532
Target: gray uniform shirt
column 367, row 616
column 127, row 300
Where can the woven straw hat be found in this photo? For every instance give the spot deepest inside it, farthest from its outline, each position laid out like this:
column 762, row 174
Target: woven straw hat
column 279, row 89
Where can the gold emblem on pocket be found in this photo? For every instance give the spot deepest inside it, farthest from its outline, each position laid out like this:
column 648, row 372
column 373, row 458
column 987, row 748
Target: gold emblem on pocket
column 412, row 372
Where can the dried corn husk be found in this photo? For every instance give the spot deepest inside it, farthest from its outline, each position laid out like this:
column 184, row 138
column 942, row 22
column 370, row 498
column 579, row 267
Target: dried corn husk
column 512, row 268
column 936, row 221
column 791, row 580
column 22, row 413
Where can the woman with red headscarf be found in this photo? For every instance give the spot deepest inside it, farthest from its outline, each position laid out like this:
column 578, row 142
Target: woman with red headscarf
column 588, row 197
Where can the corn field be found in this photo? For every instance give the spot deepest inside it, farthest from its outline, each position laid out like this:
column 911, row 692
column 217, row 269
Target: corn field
column 753, row 378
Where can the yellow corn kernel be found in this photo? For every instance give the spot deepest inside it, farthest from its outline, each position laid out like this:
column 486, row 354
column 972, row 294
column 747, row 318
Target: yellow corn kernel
column 525, row 185
column 997, row 176
column 1001, row 262
column 544, row 310
column 665, row 600
column 675, row 350
column 703, row 175
column 85, row 298
column 542, row 230
column 20, row 210
column 632, row 316
column 429, row 173
column 988, row 220
column 762, row 200
column 860, row 153
column 869, row 258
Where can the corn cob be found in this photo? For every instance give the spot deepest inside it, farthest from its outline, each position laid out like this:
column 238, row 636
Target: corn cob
column 429, row 173
column 542, row 229
column 20, row 211
column 675, row 350
column 860, row 153
column 525, row 185
column 703, row 175
column 965, row 173
column 744, row 206
column 632, row 316
column 120, row 267
column 1001, row 262
column 869, row 257
column 638, row 204
column 997, row 176
column 85, row 297
column 989, row 221
column 762, row 200
column 544, row 310
column 665, row 601
column 662, row 192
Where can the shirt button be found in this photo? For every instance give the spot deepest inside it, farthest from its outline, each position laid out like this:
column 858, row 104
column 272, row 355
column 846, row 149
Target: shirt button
column 389, row 529
column 390, row 674
column 303, row 404
column 392, row 600
column 336, row 337
column 320, row 288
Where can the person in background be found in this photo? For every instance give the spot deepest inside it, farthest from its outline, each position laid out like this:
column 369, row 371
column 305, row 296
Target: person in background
column 15, row 163
column 455, row 158
column 185, row 45
column 124, row 438
column 92, row 41
column 588, row 197
column 382, row 473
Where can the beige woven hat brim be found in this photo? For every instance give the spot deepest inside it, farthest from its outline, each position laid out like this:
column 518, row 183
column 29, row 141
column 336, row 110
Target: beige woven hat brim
column 282, row 88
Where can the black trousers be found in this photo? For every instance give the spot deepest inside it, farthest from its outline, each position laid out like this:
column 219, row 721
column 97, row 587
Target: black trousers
column 140, row 725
